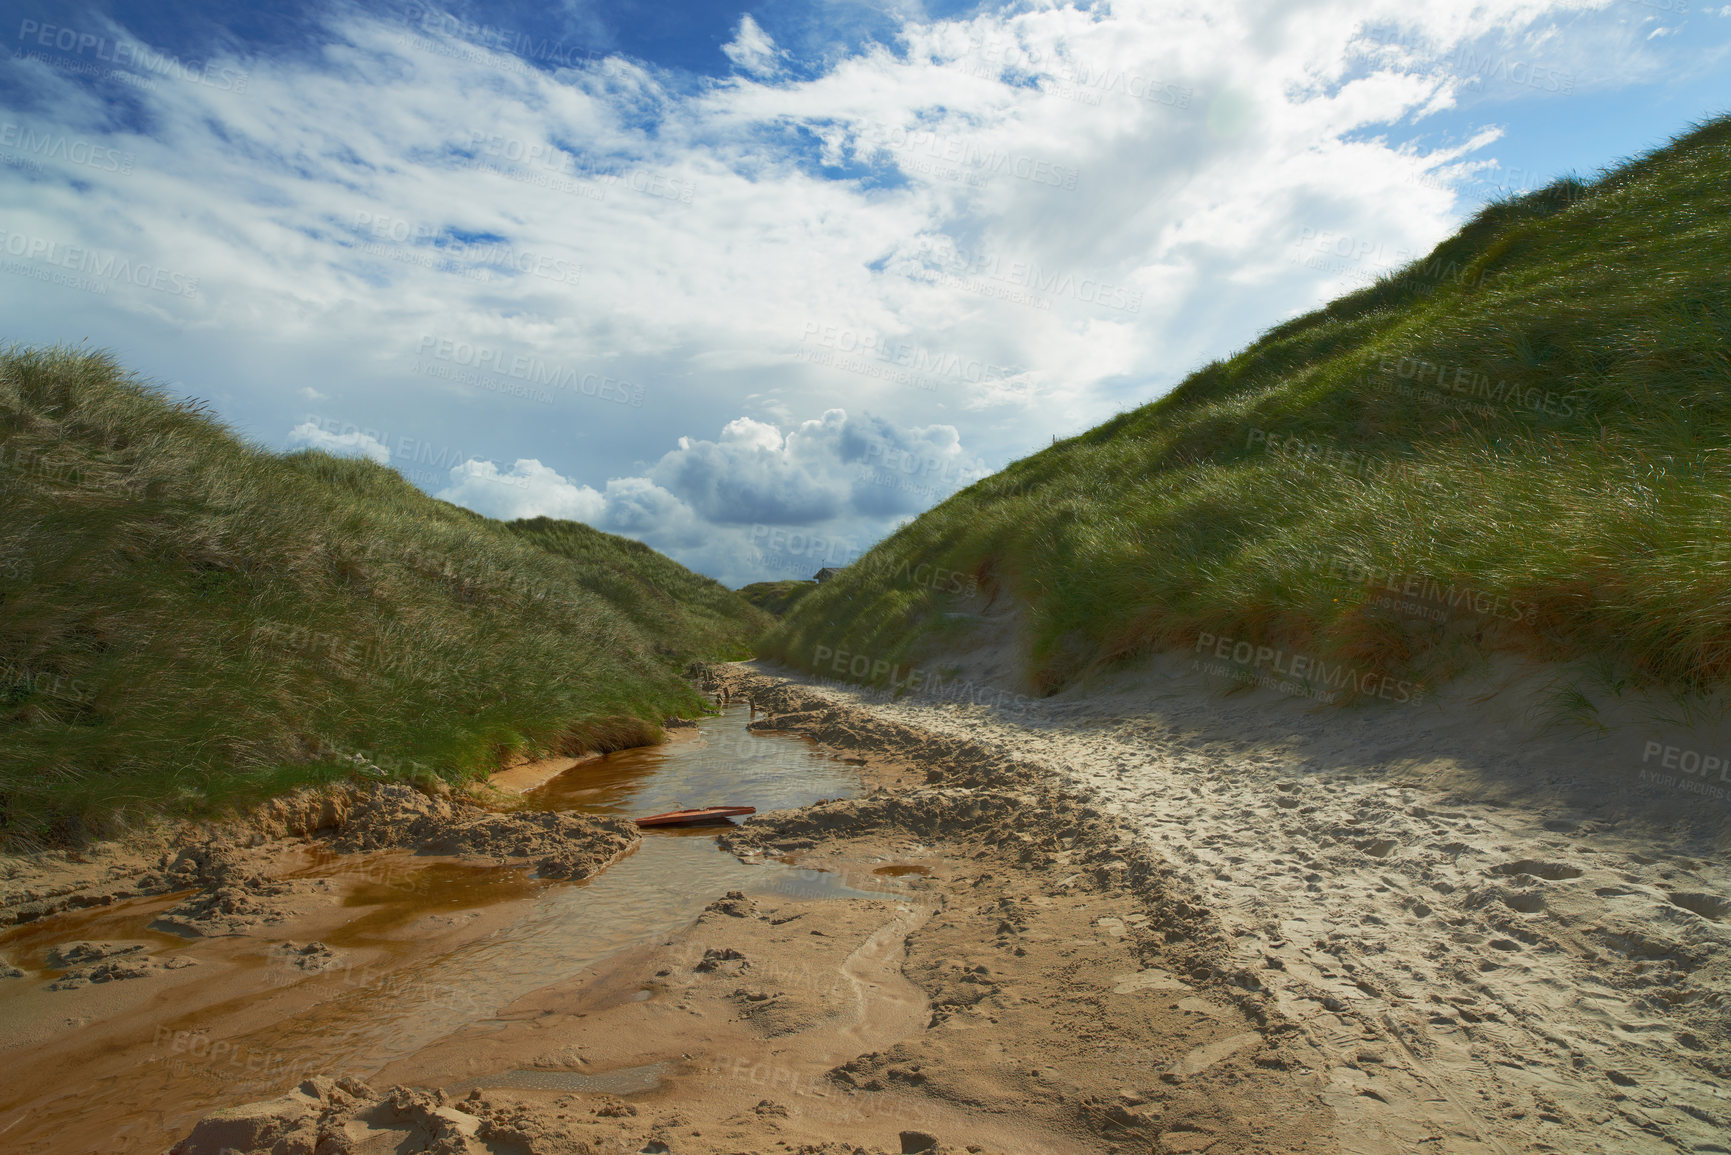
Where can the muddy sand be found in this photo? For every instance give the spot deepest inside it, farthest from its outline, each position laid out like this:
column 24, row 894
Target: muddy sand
column 1105, row 927
column 988, row 967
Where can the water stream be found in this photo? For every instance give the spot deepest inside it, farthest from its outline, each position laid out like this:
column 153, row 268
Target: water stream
column 367, row 1017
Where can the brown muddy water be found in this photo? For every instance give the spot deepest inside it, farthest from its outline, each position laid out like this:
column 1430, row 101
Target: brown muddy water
column 130, row 1066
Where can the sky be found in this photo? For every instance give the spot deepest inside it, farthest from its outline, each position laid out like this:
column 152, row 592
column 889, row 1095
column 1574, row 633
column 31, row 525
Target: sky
column 755, row 285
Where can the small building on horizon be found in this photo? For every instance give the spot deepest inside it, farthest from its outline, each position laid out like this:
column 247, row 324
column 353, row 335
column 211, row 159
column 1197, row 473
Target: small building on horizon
column 824, row 574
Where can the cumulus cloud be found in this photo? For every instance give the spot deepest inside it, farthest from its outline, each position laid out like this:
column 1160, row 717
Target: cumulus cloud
column 724, row 506
column 817, row 471
column 527, row 489
column 354, row 443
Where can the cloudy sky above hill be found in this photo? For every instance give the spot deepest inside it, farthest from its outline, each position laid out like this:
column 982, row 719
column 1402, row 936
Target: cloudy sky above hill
column 755, row 284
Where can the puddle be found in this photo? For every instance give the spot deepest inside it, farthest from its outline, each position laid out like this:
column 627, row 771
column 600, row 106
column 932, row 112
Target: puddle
column 137, row 1083
column 897, row 870
column 814, row 882
column 27, row 946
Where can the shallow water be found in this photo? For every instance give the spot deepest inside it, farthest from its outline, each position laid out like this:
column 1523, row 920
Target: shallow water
column 355, row 1020
column 725, row 765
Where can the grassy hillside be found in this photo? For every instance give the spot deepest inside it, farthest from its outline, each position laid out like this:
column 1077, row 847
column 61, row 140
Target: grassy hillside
column 776, row 597
column 186, row 620
column 1518, row 443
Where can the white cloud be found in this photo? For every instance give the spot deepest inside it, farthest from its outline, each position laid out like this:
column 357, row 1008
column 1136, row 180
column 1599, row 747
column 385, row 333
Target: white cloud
column 752, row 49
column 1004, row 226
column 527, row 489
column 715, row 505
column 308, row 435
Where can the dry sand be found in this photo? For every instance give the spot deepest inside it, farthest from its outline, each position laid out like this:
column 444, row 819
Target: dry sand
column 1503, row 932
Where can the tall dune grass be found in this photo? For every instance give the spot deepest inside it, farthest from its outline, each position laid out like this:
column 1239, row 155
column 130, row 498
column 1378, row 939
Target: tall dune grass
column 1519, row 443
column 187, row 621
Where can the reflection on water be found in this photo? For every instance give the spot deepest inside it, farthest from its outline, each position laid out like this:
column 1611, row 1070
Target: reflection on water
column 435, row 889
column 725, row 765
column 356, row 1019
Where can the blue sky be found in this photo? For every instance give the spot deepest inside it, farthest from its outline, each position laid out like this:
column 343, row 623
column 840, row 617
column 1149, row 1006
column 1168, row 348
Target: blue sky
column 756, row 283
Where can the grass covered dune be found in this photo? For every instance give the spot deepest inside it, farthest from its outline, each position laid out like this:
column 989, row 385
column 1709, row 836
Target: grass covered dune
column 1520, row 443
column 188, row 621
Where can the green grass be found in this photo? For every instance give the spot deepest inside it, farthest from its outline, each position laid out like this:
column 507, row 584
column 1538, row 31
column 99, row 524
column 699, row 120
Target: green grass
column 1595, row 504
column 189, row 622
column 776, row 597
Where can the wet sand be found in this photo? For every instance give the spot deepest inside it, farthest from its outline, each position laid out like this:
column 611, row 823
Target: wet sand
column 982, row 966
column 953, row 945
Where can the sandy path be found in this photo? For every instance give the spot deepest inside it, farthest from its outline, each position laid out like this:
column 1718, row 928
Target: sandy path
column 1484, row 977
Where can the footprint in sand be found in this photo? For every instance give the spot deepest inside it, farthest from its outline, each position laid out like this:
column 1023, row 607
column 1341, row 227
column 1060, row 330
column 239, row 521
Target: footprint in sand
column 1708, row 906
